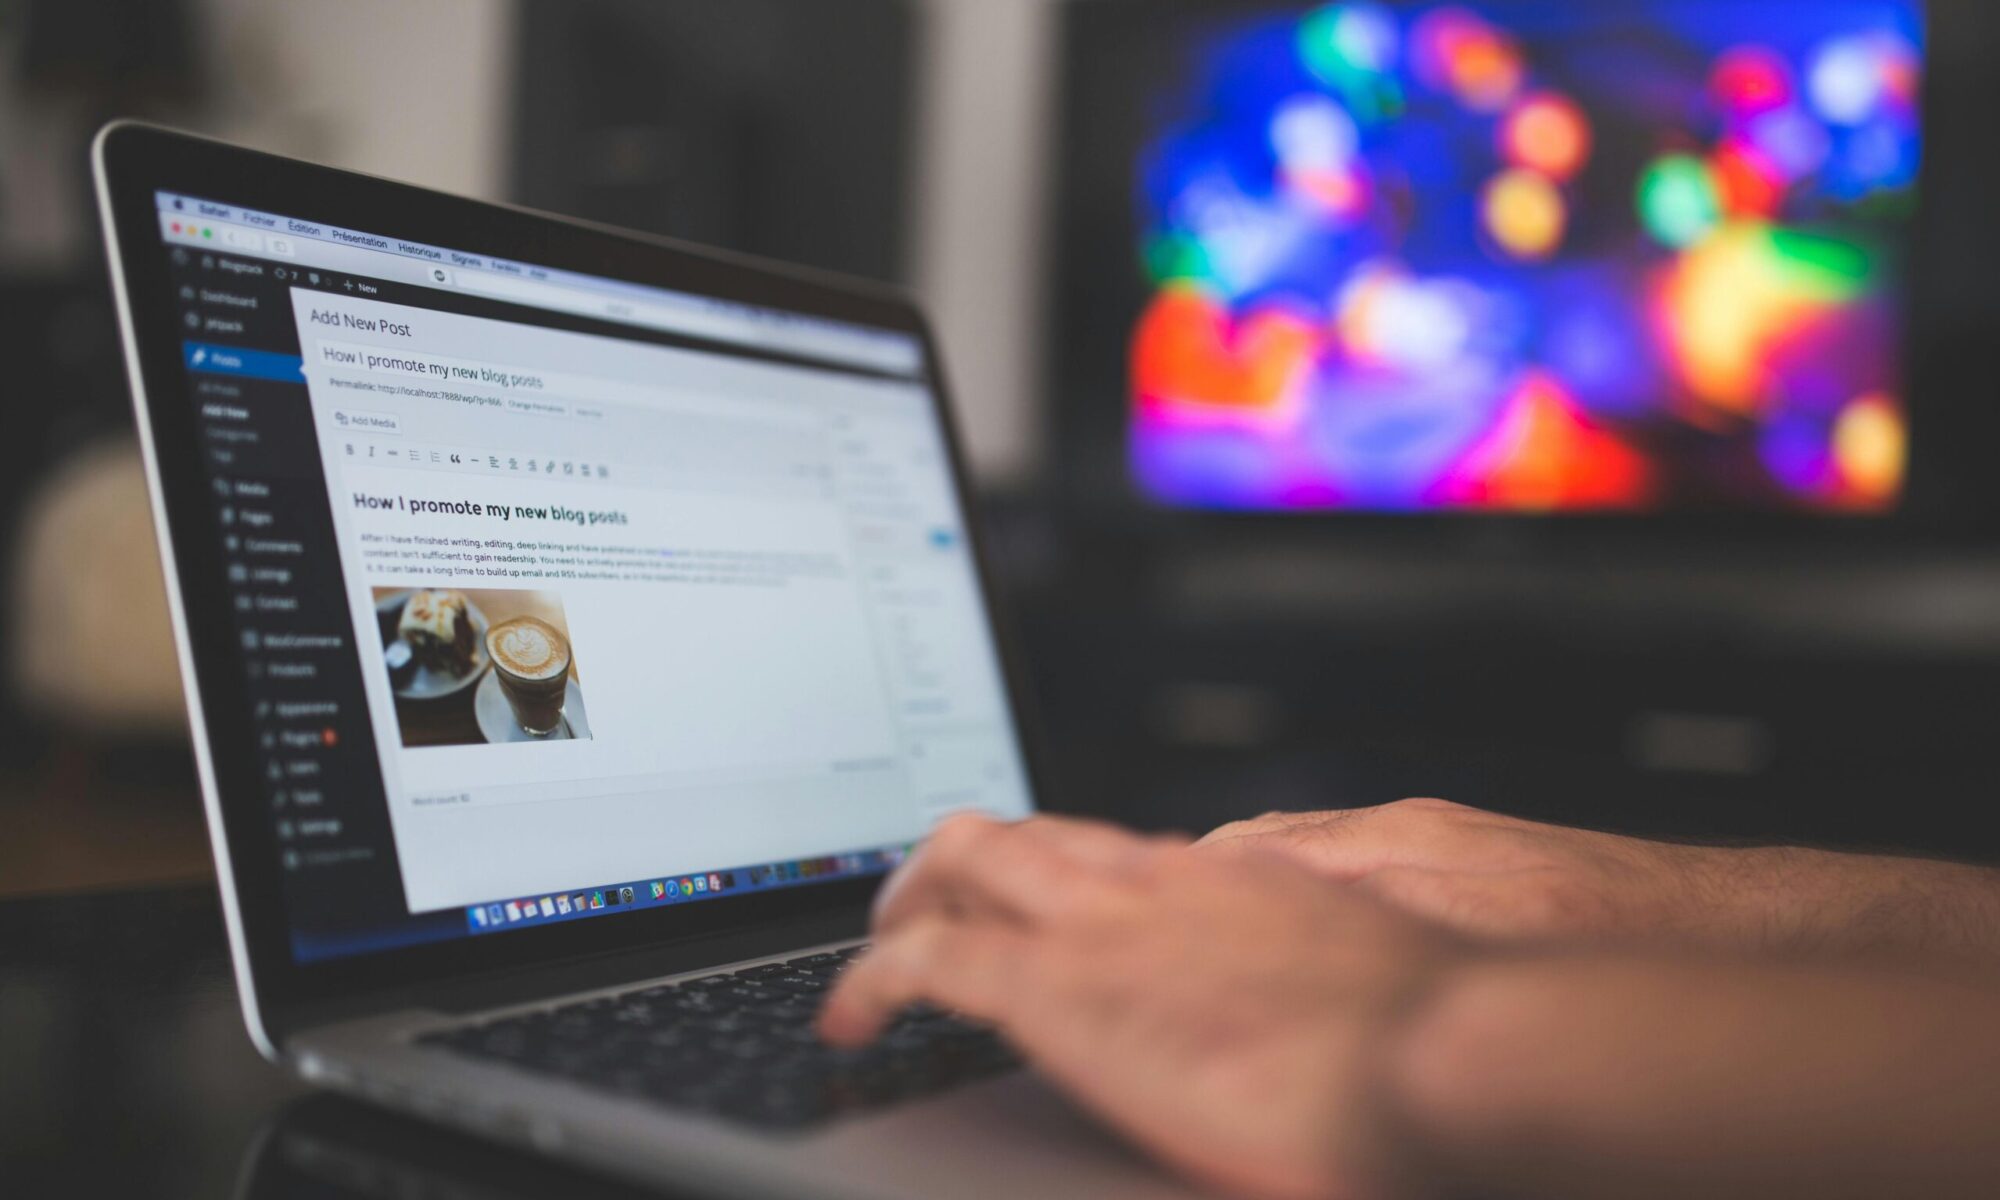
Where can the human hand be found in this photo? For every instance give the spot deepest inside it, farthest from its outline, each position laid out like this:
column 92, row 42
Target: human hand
column 1495, row 876
column 1233, row 1014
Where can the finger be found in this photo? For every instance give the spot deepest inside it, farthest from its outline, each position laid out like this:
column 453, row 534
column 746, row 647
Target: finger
column 1030, row 871
column 982, row 969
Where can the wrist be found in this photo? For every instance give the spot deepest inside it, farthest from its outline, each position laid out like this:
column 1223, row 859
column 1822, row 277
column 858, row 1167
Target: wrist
column 1789, row 900
column 1446, row 1089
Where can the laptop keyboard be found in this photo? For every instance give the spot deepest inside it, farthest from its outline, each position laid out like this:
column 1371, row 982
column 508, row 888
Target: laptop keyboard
column 739, row 1045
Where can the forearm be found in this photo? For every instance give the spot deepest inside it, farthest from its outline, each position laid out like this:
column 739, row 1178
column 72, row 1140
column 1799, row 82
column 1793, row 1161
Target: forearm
column 1638, row 1077
column 1795, row 901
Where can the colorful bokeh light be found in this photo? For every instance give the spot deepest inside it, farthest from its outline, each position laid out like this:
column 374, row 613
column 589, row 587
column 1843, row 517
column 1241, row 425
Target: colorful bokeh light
column 1532, row 256
column 1460, row 52
column 1525, row 214
column 1547, row 133
column 1680, row 201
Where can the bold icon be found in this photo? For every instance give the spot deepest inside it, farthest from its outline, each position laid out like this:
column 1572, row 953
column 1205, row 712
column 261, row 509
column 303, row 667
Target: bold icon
column 513, row 911
column 714, row 883
column 659, row 889
column 687, row 887
column 597, row 899
column 493, row 914
column 479, row 916
column 562, row 905
column 701, row 883
column 624, row 895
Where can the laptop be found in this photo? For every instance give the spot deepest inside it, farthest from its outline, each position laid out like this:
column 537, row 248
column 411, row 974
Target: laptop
column 576, row 628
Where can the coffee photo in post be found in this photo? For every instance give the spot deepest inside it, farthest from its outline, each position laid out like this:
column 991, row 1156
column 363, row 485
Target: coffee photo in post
column 472, row 666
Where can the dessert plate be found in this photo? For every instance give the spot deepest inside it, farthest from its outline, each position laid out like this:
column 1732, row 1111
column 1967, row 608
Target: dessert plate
column 427, row 684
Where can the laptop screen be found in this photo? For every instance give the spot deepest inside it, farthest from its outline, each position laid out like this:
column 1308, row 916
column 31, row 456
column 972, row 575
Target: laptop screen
column 561, row 597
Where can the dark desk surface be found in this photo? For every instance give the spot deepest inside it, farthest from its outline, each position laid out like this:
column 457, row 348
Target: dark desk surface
column 125, row 1070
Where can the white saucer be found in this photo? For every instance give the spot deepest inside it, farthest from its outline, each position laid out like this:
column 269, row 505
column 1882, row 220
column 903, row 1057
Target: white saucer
column 496, row 717
column 426, row 684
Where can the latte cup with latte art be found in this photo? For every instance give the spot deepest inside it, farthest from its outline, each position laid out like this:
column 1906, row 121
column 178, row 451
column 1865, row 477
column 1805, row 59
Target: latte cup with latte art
column 531, row 660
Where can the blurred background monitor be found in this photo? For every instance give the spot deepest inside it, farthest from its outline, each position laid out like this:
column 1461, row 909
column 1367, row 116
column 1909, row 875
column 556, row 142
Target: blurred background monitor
column 773, row 127
column 1653, row 259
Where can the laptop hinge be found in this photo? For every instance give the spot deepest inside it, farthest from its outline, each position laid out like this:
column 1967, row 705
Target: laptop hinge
column 497, row 989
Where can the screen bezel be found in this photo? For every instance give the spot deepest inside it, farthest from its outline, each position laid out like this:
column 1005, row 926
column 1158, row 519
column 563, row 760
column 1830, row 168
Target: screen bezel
column 1948, row 501
column 135, row 161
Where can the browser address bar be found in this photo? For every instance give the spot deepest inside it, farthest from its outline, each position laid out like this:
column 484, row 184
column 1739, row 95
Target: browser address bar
column 715, row 326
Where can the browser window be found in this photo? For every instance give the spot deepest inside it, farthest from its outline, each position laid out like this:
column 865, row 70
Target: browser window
column 560, row 595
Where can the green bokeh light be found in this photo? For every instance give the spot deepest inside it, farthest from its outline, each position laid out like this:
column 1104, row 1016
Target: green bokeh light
column 1678, row 200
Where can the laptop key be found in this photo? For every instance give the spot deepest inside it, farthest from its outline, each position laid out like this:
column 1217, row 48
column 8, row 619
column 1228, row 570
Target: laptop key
column 816, row 960
column 761, row 971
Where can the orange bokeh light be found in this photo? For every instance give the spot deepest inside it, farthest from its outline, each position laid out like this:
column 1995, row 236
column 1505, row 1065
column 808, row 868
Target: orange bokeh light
column 1546, row 453
column 1549, row 133
column 1871, row 446
column 1192, row 358
column 1747, row 182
